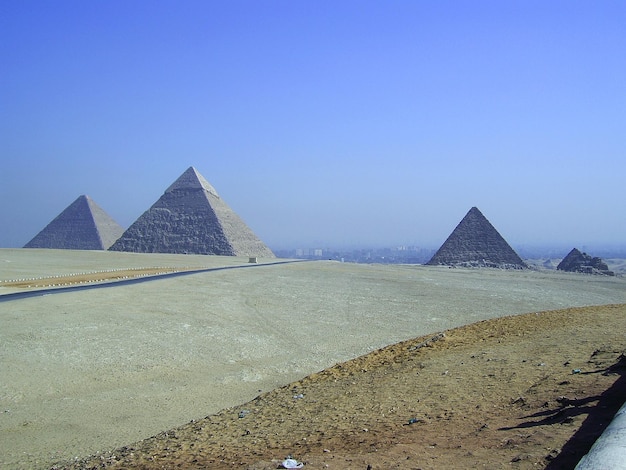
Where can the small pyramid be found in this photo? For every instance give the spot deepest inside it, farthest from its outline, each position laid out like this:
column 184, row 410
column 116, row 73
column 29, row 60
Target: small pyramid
column 475, row 242
column 579, row 262
column 83, row 225
column 191, row 217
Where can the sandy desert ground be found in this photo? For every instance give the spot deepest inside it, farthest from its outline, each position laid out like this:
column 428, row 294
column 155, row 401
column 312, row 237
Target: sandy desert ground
column 91, row 371
column 523, row 392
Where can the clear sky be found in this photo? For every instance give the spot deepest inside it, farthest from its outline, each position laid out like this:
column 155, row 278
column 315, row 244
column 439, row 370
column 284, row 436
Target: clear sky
column 321, row 123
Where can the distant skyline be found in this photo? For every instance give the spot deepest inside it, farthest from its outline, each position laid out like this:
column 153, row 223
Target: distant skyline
column 328, row 124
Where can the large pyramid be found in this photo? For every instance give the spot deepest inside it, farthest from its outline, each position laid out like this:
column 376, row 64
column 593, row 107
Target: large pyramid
column 83, row 225
column 190, row 217
column 475, row 242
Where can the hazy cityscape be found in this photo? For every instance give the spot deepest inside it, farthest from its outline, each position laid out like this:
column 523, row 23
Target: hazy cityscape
column 413, row 254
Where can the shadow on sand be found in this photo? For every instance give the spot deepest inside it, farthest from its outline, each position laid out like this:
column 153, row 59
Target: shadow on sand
column 598, row 417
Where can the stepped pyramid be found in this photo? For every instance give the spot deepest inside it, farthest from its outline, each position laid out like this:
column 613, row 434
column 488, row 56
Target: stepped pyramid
column 475, row 242
column 190, row 217
column 83, row 225
column 579, row 262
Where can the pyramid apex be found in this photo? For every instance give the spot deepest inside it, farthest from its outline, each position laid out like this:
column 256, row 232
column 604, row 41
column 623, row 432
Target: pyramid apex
column 191, row 179
column 475, row 211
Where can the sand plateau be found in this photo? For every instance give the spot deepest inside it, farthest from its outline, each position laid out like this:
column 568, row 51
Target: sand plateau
column 114, row 366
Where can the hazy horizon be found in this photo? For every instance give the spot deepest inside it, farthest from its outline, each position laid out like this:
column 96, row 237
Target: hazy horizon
column 320, row 123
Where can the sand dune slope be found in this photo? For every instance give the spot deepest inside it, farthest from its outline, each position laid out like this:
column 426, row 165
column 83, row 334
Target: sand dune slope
column 528, row 391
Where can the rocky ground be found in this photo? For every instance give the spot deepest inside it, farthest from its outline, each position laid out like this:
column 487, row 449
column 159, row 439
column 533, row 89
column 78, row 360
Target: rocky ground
column 529, row 391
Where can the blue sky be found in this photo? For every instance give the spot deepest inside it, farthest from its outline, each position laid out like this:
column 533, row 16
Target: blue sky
column 352, row 123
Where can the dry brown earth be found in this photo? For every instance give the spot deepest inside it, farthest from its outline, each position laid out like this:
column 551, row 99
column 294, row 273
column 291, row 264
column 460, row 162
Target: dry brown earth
column 528, row 391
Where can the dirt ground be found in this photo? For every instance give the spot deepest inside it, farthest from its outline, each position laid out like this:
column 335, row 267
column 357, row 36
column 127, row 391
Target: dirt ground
column 528, row 391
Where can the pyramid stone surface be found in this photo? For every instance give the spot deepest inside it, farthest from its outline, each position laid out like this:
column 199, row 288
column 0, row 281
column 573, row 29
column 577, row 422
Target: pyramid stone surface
column 475, row 242
column 190, row 217
column 579, row 262
column 83, row 225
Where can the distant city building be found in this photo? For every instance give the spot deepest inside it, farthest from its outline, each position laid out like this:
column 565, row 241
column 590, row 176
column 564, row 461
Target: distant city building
column 412, row 255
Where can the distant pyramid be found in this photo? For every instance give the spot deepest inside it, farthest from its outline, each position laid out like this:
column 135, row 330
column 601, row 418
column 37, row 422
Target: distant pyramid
column 579, row 262
column 83, row 225
column 190, row 217
column 475, row 242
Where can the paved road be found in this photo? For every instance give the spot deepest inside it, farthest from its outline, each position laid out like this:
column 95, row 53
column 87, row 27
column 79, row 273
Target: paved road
column 136, row 280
